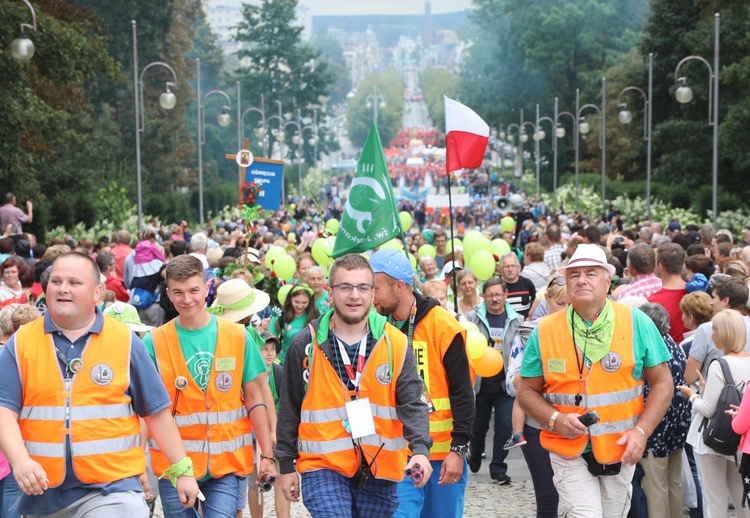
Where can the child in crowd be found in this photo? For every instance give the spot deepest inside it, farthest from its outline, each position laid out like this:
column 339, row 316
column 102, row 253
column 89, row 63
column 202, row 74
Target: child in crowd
column 269, row 351
column 299, row 310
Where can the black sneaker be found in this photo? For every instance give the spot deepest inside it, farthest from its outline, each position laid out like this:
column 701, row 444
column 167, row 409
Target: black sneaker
column 475, row 464
column 501, row 478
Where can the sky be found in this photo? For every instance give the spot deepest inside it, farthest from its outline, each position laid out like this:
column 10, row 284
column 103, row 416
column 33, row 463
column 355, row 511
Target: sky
column 333, row 7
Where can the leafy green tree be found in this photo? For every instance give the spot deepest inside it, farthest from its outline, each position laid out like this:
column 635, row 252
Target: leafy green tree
column 435, row 83
column 359, row 115
column 278, row 64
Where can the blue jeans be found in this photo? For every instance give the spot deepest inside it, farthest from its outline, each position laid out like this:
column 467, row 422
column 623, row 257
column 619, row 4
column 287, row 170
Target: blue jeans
column 502, row 403
column 221, row 498
column 432, row 500
column 540, row 468
column 10, row 494
column 327, row 494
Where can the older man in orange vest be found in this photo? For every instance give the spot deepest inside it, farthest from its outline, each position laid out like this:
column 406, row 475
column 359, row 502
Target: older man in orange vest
column 74, row 384
column 350, row 406
column 582, row 376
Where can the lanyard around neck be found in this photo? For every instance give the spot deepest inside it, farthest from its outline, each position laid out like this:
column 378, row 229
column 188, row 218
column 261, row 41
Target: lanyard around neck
column 350, row 373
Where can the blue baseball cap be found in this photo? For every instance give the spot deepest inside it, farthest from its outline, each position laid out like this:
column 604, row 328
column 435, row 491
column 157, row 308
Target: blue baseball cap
column 393, row 263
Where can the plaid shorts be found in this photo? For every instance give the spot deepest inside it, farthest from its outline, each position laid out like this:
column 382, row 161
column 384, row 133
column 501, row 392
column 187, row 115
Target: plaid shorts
column 327, row 494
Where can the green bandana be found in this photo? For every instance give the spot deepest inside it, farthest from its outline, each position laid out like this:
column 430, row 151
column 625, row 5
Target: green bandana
column 594, row 339
column 244, row 303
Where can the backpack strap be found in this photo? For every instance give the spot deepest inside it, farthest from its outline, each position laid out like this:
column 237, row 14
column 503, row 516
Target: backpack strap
column 728, row 379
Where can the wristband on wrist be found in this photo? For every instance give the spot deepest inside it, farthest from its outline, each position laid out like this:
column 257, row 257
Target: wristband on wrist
column 184, row 468
column 694, row 397
column 552, row 420
column 272, row 459
column 636, row 427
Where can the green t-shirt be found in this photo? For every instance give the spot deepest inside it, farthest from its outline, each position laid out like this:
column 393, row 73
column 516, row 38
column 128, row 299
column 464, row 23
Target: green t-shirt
column 288, row 333
column 322, row 303
column 198, row 347
column 648, row 347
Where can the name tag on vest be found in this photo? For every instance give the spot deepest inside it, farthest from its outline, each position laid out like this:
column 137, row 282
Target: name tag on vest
column 359, row 413
column 225, row 364
column 556, row 365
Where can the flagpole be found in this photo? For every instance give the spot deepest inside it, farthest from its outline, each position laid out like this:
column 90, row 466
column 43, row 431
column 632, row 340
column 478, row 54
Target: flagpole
column 450, row 223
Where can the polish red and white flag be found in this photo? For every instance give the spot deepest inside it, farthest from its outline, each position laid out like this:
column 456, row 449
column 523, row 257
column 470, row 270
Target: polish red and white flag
column 466, row 137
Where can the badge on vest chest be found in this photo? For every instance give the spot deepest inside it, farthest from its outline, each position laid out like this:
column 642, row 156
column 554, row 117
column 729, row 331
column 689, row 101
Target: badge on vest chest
column 383, row 374
column 102, row 374
column 223, row 381
column 611, row 362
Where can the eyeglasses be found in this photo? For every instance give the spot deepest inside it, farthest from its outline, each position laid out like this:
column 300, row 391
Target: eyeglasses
column 510, row 266
column 559, row 280
column 492, row 296
column 345, row 287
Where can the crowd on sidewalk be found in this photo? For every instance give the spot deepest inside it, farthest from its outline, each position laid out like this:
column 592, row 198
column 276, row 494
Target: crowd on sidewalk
column 620, row 325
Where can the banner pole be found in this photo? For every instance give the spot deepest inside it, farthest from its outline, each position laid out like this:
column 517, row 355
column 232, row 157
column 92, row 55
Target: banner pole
column 450, row 223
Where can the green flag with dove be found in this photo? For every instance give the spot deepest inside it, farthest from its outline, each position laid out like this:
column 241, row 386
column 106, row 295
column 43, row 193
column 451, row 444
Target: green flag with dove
column 370, row 216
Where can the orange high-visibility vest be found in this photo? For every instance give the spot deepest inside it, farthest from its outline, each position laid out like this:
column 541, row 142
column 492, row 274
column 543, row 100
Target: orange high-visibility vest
column 214, row 425
column 323, row 441
column 96, row 413
column 432, row 337
column 611, row 388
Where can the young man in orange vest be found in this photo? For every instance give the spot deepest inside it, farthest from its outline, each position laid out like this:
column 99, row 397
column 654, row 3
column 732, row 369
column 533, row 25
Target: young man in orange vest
column 74, row 384
column 350, row 406
column 215, row 376
column 588, row 363
column 439, row 345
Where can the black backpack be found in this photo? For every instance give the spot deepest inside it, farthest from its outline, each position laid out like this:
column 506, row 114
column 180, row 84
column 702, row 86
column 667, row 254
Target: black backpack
column 717, row 432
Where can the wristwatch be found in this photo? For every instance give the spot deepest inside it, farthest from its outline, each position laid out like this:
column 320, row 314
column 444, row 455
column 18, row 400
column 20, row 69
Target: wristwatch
column 462, row 451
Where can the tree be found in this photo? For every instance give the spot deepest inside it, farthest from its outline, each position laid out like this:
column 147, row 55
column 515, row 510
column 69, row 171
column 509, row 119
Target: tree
column 359, row 116
column 436, row 83
column 276, row 63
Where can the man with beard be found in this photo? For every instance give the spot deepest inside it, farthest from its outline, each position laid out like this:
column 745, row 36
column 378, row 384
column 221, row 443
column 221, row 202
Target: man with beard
column 438, row 342
column 350, row 406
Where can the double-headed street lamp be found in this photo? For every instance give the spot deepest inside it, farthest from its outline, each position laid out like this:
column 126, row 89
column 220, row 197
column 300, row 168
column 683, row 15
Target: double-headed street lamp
column 374, row 101
column 22, row 47
column 224, row 120
column 684, row 94
column 583, row 128
column 558, row 132
column 626, row 117
column 167, row 100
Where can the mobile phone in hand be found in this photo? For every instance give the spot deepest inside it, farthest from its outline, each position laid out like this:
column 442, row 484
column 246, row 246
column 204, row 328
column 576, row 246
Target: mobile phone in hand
column 589, row 418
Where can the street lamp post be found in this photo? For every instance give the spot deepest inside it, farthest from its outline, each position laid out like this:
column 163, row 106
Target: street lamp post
column 684, row 94
column 374, row 101
column 558, row 132
column 223, row 120
column 167, row 100
column 535, row 135
column 582, row 127
column 626, row 117
column 22, row 48
column 521, row 134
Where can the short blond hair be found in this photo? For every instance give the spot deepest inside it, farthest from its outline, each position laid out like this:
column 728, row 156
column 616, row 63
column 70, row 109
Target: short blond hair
column 731, row 332
column 433, row 286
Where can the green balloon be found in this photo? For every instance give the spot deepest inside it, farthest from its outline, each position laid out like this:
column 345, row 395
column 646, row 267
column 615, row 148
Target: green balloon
column 426, row 250
column 393, row 244
column 406, row 220
column 283, row 293
column 321, row 251
column 500, row 247
column 483, row 244
column 482, row 265
column 413, row 261
column 507, row 224
column 455, row 242
column 332, row 226
column 273, row 253
column 284, row 267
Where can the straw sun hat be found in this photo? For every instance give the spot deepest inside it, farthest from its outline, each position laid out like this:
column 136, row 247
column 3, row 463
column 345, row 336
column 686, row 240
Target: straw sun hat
column 235, row 300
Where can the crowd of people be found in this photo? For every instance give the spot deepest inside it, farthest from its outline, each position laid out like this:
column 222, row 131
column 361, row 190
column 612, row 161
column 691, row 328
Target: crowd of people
column 354, row 391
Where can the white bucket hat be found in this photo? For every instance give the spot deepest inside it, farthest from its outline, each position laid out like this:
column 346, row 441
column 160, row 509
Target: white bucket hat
column 127, row 314
column 589, row 255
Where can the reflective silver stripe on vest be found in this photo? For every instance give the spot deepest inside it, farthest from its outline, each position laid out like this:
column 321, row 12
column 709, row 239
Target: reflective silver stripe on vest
column 322, row 416
column 612, row 427
column 106, row 445
column 345, row 444
column 210, row 418
column 77, row 413
column 339, row 414
column 212, row 448
column 596, row 400
column 45, row 449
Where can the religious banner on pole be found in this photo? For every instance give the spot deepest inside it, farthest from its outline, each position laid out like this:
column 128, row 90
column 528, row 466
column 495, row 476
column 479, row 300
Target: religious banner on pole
column 370, row 216
column 268, row 175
